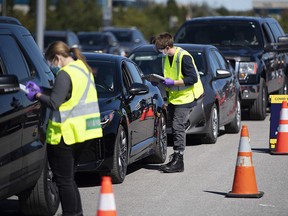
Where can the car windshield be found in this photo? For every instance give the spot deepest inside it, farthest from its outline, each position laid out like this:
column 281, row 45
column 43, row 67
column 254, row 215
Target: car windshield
column 221, row 34
column 92, row 40
column 123, row 36
column 151, row 62
column 105, row 78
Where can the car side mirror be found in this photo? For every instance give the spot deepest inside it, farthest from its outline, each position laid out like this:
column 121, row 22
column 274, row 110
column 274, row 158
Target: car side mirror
column 9, row 84
column 222, row 74
column 283, row 40
column 282, row 44
column 138, row 89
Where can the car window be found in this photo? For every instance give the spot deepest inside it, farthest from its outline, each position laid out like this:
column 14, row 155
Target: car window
column 127, row 79
column 90, row 40
column 136, row 77
column 224, row 33
column 123, row 36
column 221, row 60
column 199, row 62
column 214, row 63
column 269, row 38
column 1, row 67
column 10, row 52
column 104, row 76
column 148, row 62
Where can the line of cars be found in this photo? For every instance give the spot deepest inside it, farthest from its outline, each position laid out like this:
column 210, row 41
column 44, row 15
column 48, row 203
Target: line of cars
column 113, row 40
column 133, row 111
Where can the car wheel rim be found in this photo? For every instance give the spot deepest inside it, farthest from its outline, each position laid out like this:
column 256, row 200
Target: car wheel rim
column 122, row 159
column 215, row 123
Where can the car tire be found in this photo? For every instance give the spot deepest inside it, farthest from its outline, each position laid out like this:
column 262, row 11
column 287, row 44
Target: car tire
column 284, row 88
column 120, row 157
column 43, row 199
column 213, row 127
column 235, row 125
column 258, row 109
column 161, row 143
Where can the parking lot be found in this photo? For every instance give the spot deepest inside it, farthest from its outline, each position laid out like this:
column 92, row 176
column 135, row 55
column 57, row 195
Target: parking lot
column 201, row 188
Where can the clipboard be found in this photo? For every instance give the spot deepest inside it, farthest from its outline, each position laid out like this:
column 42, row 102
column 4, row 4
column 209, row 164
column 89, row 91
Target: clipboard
column 154, row 78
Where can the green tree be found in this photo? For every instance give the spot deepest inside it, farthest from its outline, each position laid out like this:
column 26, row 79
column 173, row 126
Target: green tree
column 78, row 16
column 283, row 21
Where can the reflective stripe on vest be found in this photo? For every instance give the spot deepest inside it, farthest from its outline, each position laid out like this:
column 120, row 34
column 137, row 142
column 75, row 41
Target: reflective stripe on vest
column 78, row 110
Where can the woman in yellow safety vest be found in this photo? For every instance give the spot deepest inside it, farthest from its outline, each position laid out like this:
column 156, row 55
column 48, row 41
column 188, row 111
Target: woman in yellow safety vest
column 74, row 121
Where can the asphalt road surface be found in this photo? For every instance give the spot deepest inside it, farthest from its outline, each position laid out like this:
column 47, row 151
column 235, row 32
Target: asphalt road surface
column 200, row 190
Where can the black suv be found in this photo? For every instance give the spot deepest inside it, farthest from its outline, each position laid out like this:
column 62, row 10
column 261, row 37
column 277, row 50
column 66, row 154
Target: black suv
column 255, row 47
column 24, row 170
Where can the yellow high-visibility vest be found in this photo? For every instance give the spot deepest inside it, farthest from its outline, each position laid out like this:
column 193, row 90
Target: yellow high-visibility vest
column 181, row 94
column 78, row 119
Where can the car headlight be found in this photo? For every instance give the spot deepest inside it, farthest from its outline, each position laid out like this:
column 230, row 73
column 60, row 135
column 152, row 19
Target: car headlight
column 106, row 118
column 246, row 68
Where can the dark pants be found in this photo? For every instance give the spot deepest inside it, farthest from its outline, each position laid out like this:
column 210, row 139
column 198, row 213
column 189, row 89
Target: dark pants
column 63, row 159
column 179, row 116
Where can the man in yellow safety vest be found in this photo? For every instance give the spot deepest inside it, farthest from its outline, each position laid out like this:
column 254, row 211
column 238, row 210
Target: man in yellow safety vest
column 183, row 87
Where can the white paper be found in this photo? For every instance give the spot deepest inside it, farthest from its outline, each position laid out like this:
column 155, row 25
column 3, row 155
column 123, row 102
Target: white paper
column 23, row 88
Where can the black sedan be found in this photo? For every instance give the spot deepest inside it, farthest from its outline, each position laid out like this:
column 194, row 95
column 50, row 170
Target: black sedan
column 133, row 118
column 220, row 105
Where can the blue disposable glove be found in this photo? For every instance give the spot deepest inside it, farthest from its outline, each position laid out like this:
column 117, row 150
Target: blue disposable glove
column 33, row 89
column 168, row 82
column 154, row 83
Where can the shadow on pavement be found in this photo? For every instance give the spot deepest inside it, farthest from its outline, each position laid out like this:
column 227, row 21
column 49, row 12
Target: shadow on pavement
column 261, row 150
column 216, row 192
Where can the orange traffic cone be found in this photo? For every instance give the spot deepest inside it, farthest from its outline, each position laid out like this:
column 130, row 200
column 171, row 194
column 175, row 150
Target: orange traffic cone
column 143, row 115
column 282, row 135
column 150, row 113
column 244, row 185
column 106, row 205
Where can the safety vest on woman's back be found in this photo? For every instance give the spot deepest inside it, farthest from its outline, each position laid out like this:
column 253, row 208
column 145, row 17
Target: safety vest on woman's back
column 78, row 119
column 181, row 94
